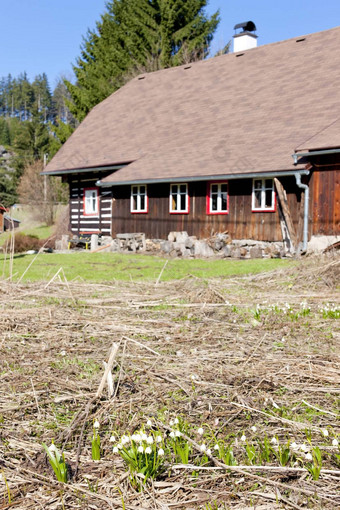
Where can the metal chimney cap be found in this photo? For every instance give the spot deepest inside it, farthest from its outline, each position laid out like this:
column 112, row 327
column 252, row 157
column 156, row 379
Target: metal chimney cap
column 248, row 26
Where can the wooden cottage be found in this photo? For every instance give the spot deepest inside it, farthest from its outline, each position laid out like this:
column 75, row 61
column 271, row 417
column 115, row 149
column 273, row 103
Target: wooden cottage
column 247, row 142
column 2, row 219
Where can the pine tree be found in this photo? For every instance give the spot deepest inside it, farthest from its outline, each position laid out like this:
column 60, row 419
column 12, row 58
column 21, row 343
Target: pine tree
column 42, row 95
column 138, row 34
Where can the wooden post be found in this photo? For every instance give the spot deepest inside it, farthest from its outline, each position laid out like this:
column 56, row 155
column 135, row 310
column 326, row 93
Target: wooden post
column 286, row 213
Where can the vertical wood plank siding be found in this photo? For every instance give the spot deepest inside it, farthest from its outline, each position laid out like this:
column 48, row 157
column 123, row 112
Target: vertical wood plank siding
column 89, row 224
column 241, row 222
column 325, row 196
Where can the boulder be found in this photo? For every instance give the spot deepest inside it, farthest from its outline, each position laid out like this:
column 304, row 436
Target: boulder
column 202, row 249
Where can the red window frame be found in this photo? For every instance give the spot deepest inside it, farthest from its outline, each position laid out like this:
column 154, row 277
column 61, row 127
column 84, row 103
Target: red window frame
column 187, row 197
column 84, row 202
column 208, row 195
column 146, row 199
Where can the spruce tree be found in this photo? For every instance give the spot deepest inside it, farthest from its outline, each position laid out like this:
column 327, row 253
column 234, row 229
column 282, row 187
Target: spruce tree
column 138, row 34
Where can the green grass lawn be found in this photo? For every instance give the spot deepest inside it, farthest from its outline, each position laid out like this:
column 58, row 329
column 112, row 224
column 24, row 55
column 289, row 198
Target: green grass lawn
column 106, row 267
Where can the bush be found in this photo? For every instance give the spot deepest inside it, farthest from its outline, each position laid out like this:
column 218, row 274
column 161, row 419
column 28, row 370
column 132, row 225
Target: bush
column 23, row 242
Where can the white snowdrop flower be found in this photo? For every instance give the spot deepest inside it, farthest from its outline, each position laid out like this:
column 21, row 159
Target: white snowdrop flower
column 335, row 442
column 52, row 448
column 208, row 451
column 161, row 452
column 253, row 428
column 143, row 437
column 203, row 447
column 178, row 433
column 200, row 431
column 308, row 456
column 149, row 423
column 115, row 449
column 243, row 438
column 149, row 440
column 112, row 439
column 171, row 423
column 176, row 421
column 96, row 424
column 125, row 439
column 120, row 446
column 137, row 438
column 325, row 432
column 133, row 437
column 294, row 446
column 303, row 447
column 140, row 449
column 148, row 450
column 158, row 439
column 273, row 440
column 63, row 353
column 172, row 434
column 216, row 447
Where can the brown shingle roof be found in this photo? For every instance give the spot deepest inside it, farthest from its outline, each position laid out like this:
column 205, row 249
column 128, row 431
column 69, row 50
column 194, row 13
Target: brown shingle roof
column 327, row 138
column 237, row 113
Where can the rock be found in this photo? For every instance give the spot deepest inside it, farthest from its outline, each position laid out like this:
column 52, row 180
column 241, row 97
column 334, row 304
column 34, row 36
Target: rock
column 166, row 246
column 202, row 249
column 227, row 250
column 181, row 237
column 255, row 252
column 94, row 242
column 172, row 237
column 244, row 253
column 64, row 242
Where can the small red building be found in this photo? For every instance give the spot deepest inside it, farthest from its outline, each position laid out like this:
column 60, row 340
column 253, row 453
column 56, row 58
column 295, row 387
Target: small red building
column 247, row 142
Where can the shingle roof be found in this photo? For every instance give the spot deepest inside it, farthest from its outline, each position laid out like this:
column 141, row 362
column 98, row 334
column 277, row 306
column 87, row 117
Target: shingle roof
column 237, row 113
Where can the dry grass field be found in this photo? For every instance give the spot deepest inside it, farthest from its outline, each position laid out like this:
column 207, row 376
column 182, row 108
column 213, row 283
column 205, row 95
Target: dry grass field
column 239, row 377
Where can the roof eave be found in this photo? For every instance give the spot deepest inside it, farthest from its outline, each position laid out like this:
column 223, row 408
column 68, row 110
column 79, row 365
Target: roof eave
column 85, row 169
column 218, row 177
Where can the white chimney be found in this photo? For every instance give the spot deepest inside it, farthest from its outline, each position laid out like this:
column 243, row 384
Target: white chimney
column 246, row 39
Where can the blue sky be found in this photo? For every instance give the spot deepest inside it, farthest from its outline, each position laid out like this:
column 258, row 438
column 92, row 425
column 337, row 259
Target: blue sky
column 39, row 36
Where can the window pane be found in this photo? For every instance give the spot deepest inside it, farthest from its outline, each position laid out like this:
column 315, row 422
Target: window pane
column 174, row 202
column 258, row 199
column 183, row 188
column 258, row 184
column 224, row 202
column 214, row 188
column 214, row 202
column 224, row 188
column 134, row 190
column 269, row 183
column 183, row 202
column 142, row 190
column 142, row 202
column 269, row 198
column 174, row 189
column 134, row 202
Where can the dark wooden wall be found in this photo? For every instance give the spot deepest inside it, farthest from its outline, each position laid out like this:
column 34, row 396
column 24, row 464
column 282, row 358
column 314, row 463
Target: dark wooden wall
column 241, row 222
column 325, row 196
column 89, row 224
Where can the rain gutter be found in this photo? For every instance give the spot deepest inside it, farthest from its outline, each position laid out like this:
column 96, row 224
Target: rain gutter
column 298, row 155
column 218, row 177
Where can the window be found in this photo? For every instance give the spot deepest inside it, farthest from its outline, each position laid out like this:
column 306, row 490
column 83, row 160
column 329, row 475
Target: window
column 91, row 205
column 179, row 198
column 263, row 196
column 217, row 198
column 139, row 199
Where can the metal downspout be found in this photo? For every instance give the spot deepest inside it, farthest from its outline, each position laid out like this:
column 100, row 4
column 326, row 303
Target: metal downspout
column 305, row 187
